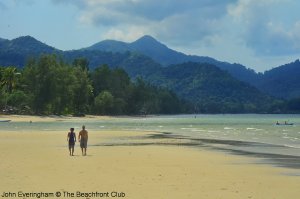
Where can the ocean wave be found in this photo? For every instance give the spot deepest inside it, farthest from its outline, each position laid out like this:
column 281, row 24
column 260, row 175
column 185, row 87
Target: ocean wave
column 254, row 129
column 214, row 131
column 228, row 128
column 188, row 128
column 198, row 130
column 292, row 146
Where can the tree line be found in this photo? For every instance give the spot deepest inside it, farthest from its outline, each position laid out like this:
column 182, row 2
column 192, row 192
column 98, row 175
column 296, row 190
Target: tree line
column 49, row 85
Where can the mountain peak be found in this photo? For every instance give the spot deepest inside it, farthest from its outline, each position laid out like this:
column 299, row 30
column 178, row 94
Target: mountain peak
column 25, row 38
column 29, row 44
column 147, row 40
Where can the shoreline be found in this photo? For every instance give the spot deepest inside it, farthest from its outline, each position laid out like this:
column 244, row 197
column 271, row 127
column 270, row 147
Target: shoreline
column 50, row 118
column 166, row 139
column 273, row 159
column 140, row 164
column 219, row 145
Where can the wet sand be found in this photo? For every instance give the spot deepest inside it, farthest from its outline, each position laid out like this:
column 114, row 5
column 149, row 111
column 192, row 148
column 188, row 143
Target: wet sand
column 40, row 162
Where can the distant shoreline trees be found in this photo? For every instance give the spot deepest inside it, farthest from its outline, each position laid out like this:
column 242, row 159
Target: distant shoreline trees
column 48, row 85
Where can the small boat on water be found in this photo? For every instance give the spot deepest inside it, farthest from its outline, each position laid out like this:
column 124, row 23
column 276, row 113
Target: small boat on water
column 5, row 120
column 284, row 124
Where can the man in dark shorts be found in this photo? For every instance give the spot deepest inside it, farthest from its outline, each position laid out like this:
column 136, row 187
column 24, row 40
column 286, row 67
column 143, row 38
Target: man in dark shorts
column 71, row 139
column 83, row 138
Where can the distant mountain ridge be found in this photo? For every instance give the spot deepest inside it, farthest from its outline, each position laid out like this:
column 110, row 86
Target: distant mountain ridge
column 146, row 45
column 109, row 46
column 17, row 51
column 211, row 89
column 29, row 44
column 283, row 81
column 282, row 84
column 149, row 46
column 160, row 53
column 146, row 55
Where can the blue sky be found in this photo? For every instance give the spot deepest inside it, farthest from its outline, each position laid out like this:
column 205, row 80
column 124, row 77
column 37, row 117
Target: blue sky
column 260, row 34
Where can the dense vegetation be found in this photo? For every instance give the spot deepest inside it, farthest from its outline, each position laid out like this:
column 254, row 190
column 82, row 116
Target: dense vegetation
column 213, row 90
column 16, row 52
column 282, row 82
column 209, row 86
column 143, row 56
column 165, row 56
column 48, row 85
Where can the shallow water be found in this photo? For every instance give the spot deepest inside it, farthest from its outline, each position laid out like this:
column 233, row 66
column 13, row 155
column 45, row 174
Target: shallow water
column 245, row 134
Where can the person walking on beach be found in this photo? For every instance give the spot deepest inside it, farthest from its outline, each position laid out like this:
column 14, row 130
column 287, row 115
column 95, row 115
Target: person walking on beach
column 71, row 139
column 83, row 138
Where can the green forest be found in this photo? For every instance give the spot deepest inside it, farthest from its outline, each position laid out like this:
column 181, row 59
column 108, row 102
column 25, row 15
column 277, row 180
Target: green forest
column 48, row 85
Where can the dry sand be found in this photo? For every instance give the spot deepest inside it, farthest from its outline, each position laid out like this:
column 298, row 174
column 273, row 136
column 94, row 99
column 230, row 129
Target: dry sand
column 40, row 162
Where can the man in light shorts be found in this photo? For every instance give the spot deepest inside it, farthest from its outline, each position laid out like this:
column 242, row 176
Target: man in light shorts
column 83, row 138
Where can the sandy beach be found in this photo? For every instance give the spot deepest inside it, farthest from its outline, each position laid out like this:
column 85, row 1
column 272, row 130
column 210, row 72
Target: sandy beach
column 35, row 162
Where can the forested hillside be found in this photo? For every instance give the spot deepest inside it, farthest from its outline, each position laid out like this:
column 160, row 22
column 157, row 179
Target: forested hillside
column 212, row 90
column 165, row 56
column 16, row 52
column 50, row 86
column 209, row 86
column 282, row 82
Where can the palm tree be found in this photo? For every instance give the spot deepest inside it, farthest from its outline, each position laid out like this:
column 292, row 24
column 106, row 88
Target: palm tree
column 9, row 79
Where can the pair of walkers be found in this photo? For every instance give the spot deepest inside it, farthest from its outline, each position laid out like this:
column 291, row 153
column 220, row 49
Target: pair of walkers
column 82, row 138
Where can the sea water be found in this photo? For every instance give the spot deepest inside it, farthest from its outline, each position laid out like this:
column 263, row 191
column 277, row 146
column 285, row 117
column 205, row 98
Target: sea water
column 244, row 133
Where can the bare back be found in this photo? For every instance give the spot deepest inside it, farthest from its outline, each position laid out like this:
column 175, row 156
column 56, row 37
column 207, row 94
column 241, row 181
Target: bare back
column 83, row 134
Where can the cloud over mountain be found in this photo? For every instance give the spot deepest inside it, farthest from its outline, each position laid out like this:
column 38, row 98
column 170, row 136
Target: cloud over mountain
column 176, row 20
column 261, row 26
column 260, row 34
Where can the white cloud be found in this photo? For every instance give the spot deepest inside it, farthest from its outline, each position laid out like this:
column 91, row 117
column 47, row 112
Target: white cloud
column 264, row 26
column 245, row 29
column 125, row 34
column 178, row 21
